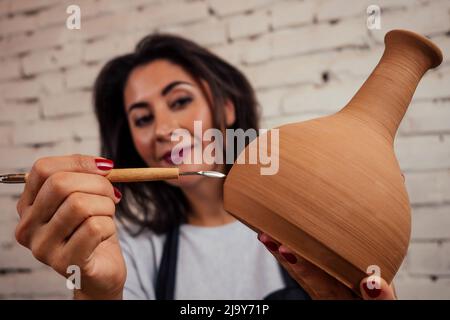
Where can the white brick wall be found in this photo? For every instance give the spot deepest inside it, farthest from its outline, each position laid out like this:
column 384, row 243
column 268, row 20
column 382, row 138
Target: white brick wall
column 306, row 58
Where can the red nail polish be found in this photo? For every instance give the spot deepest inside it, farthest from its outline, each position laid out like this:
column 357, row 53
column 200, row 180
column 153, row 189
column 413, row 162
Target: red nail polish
column 104, row 164
column 272, row 246
column 289, row 257
column 373, row 293
column 117, row 193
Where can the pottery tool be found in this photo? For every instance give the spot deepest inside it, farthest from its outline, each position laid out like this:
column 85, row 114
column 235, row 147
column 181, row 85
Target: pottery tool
column 129, row 175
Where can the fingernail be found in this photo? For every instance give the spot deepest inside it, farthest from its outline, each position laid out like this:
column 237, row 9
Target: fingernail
column 104, row 164
column 272, row 246
column 289, row 257
column 373, row 293
column 117, row 193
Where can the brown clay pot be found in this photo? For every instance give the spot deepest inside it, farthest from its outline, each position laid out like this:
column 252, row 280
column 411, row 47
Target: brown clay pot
column 339, row 199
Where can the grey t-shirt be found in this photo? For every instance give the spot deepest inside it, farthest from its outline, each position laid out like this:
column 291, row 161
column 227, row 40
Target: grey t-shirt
column 225, row 262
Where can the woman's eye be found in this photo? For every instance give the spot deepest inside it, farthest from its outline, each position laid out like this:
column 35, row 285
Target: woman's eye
column 142, row 121
column 181, row 102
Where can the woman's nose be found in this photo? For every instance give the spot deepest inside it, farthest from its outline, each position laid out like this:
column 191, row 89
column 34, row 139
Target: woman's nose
column 165, row 125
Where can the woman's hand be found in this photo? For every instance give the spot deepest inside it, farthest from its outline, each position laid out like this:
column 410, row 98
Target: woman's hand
column 66, row 218
column 318, row 283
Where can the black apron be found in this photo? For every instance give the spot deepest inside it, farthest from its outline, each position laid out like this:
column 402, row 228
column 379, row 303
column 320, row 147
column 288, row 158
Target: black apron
column 165, row 281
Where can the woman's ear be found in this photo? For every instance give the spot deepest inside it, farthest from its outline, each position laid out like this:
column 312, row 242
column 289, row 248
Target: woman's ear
column 230, row 113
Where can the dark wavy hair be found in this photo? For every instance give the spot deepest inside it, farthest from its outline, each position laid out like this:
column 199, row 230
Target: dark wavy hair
column 158, row 205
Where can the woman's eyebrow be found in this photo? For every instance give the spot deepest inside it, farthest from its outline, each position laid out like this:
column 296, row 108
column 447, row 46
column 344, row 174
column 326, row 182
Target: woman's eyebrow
column 137, row 105
column 172, row 85
column 164, row 92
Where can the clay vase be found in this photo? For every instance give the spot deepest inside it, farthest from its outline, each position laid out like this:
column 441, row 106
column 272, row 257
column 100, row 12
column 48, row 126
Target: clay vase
column 339, row 198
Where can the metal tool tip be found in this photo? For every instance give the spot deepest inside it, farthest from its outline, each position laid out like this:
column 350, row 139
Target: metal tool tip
column 213, row 174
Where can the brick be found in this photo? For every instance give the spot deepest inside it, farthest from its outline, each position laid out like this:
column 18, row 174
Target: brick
column 107, row 24
column 22, row 158
column 16, row 256
column 57, row 14
column 12, row 189
column 4, row 8
column 429, row 258
column 207, row 33
column 232, row 53
column 50, row 83
column 119, row 5
column 319, row 37
column 426, row 117
column 431, row 223
column 41, row 39
column 10, row 69
column 351, row 64
column 443, row 42
column 172, row 13
column 51, row 59
column 223, row 8
column 402, row 272
column 245, row 51
column 434, row 85
column 21, row 89
column 397, row 4
column 81, row 77
column 67, row 104
column 8, row 205
column 428, row 187
column 256, row 51
column 305, row 69
column 5, row 135
column 51, row 131
column 8, row 224
column 18, row 112
column 108, row 48
column 28, row 5
column 292, row 13
column 270, row 101
column 248, row 25
column 328, row 98
column 336, row 9
column 88, row 146
column 41, row 282
column 426, row 20
column 413, row 288
column 41, row 132
column 423, row 152
column 17, row 24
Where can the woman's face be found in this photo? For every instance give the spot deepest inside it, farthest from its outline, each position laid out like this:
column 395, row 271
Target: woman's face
column 160, row 97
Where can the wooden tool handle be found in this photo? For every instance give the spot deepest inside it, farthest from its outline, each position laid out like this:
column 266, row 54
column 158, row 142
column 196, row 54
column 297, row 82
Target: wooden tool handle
column 142, row 174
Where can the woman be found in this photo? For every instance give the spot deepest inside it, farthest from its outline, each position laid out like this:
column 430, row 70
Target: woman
column 175, row 239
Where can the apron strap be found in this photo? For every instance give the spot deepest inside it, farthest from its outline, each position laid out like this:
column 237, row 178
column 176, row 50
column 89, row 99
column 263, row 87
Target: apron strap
column 165, row 281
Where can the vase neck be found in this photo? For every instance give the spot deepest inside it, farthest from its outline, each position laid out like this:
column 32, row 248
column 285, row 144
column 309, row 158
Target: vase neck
column 385, row 96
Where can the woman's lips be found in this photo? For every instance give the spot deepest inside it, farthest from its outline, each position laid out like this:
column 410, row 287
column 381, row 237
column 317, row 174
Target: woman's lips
column 177, row 157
